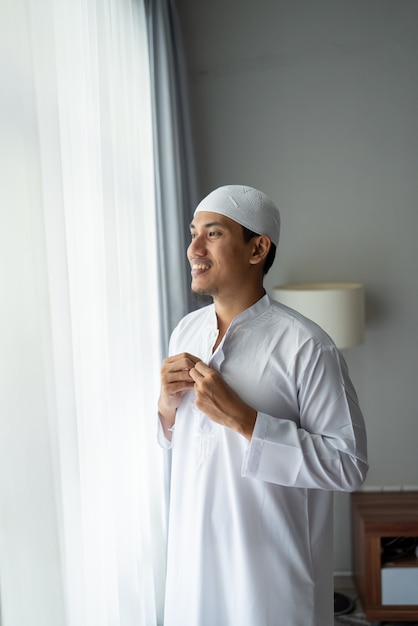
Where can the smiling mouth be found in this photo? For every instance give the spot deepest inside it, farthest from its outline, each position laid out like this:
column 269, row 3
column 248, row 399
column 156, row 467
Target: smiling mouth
column 199, row 267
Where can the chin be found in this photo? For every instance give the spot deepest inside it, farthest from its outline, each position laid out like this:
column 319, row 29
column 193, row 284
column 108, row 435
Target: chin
column 200, row 291
column 202, row 299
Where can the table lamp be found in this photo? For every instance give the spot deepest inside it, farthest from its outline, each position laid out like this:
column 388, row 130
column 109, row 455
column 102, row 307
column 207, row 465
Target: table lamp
column 337, row 307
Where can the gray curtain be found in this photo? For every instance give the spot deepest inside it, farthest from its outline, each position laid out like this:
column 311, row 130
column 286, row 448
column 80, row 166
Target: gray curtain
column 174, row 167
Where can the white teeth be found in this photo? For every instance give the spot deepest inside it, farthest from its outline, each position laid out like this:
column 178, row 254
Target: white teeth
column 199, row 266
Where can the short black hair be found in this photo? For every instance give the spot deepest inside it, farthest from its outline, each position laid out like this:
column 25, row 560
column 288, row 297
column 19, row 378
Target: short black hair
column 248, row 235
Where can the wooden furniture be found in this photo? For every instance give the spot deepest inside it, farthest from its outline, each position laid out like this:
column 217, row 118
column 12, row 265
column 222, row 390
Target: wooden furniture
column 376, row 515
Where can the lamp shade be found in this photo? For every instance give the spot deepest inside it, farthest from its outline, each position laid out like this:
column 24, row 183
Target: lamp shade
column 337, row 307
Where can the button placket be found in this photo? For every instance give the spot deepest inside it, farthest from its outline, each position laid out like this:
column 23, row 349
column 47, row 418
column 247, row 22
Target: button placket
column 205, row 436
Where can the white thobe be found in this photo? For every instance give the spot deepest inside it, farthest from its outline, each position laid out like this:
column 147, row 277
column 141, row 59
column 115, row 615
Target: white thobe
column 250, row 522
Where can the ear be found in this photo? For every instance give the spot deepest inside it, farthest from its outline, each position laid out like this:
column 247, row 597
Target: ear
column 260, row 249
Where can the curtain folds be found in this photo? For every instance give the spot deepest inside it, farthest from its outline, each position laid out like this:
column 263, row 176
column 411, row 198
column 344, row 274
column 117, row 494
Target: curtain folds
column 175, row 174
column 82, row 510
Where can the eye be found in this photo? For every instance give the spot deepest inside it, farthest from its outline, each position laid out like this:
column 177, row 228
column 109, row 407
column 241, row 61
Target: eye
column 214, row 233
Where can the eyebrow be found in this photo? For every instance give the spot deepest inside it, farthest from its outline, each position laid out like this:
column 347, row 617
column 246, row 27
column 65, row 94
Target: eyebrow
column 209, row 225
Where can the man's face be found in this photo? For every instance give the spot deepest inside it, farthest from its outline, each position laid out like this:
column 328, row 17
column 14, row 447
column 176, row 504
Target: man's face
column 218, row 255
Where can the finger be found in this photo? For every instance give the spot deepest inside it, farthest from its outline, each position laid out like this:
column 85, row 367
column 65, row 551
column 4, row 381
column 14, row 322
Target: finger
column 202, row 368
column 178, row 387
column 176, row 376
column 179, row 368
column 183, row 357
column 195, row 375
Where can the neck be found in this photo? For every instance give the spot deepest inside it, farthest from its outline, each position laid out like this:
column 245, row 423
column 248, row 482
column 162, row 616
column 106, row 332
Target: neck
column 227, row 309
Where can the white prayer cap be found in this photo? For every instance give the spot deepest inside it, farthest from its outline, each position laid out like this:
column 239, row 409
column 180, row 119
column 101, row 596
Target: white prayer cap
column 247, row 206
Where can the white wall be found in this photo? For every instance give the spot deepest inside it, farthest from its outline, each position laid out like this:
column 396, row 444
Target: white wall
column 316, row 104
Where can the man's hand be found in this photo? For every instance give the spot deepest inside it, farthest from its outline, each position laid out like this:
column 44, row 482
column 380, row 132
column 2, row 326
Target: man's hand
column 219, row 402
column 175, row 381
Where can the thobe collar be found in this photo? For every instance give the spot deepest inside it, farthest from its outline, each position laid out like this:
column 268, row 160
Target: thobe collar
column 246, row 316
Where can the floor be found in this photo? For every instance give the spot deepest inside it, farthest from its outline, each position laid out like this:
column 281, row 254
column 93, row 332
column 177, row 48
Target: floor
column 356, row 617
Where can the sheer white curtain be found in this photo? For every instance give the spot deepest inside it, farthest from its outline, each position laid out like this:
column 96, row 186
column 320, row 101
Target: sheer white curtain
column 82, row 527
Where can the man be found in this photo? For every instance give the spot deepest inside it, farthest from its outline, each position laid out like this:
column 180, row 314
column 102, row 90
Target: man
column 263, row 421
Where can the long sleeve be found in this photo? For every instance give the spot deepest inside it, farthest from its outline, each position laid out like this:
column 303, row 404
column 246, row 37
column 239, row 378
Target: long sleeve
column 327, row 448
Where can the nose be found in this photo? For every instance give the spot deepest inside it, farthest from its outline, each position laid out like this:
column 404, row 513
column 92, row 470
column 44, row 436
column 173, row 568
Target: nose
column 196, row 247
